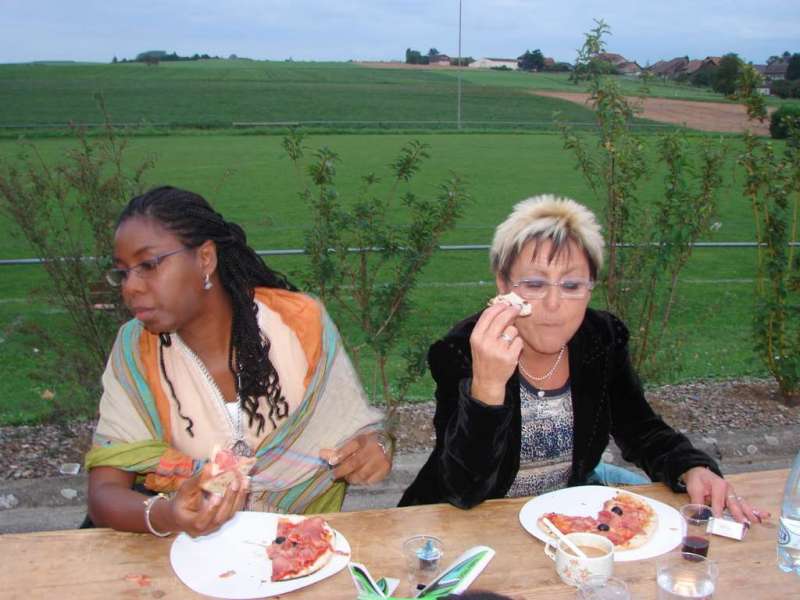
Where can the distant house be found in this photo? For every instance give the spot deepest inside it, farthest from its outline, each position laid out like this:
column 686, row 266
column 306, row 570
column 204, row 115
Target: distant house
column 489, row 63
column 629, row 68
column 670, row 68
column 621, row 64
column 439, row 59
column 701, row 70
column 776, row 71
column 693, row 66
column 611, row 57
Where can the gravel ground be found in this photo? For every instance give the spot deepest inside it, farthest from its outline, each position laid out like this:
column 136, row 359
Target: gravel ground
column 698, row 407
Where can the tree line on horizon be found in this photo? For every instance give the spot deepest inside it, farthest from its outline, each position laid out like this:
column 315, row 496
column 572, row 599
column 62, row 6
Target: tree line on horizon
column 153, row 57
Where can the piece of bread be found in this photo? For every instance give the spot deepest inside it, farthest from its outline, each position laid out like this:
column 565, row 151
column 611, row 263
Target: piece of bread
column 514, row 300
column 224, row 466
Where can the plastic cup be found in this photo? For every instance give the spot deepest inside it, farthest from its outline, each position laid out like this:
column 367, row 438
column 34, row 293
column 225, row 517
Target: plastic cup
column 684, row 575
column 423, row 557
column 603, row 588
column 696, row 538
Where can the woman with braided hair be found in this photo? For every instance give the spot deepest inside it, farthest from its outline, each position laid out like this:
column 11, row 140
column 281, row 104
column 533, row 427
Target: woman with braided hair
column 222, row 353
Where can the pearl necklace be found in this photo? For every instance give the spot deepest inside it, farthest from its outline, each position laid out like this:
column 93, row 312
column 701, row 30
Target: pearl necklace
column 547, row 375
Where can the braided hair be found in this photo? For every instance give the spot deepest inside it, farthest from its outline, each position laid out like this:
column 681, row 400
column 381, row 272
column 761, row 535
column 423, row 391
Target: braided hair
column 190, row 217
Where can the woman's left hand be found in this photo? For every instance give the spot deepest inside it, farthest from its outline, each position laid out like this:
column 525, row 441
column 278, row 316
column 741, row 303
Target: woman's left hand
column 361, row 460
column 702, row 484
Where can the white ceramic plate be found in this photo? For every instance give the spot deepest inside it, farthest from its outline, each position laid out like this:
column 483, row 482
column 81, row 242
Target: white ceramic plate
column 232, row 562
column 587, row 500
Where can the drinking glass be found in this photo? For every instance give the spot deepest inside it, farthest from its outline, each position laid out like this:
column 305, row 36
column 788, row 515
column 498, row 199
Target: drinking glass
column 603, row 588
column 681, row 575
column 696, row 538
column 423, row 556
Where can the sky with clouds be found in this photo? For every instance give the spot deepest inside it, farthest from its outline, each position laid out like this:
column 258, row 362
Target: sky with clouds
column 645, row 30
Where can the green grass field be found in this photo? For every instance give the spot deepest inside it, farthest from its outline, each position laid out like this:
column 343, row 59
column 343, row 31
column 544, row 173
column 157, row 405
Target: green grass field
column 250, row 180
column 218, row 93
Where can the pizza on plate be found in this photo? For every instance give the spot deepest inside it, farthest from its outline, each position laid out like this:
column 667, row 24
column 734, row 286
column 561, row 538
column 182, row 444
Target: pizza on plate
column 627, row 520
column 302, row 546
column 224, row 466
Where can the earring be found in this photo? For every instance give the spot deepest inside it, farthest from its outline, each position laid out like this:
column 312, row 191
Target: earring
column 207, row 285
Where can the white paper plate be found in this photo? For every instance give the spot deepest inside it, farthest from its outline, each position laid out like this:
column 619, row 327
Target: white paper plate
column 587, row 500
column 239, row 547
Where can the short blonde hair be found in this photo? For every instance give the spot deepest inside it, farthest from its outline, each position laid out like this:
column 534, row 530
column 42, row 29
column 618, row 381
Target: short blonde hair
column 542, row 218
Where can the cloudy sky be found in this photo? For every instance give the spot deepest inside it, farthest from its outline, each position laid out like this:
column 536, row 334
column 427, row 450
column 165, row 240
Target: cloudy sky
column 644, row 30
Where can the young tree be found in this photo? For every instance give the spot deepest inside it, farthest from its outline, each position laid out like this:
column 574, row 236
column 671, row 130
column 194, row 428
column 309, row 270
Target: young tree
column 66, row 211
column 367, row 253
column 587, row 65
column 649, row 243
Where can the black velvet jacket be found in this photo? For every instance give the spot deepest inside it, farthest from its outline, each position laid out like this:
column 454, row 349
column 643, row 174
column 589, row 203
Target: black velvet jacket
column 478, row 446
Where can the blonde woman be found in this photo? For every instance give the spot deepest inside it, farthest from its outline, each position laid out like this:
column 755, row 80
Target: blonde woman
column 526, row 404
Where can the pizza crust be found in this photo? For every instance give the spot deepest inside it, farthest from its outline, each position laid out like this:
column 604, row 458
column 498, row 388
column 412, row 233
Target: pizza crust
column 514, row 300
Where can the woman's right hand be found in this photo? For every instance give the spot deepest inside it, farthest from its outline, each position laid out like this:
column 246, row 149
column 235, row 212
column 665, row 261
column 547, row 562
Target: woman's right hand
column 198, row 512
column 496, row 347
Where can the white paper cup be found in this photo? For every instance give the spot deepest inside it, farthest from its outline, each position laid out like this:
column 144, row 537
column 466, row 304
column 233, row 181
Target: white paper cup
column 575, row 570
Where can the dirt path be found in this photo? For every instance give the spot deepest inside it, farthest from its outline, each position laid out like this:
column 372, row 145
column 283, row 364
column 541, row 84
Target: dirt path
column 705, row 116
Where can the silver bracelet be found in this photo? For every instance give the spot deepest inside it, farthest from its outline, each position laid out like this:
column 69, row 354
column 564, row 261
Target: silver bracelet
column 148, row 504
column 386, row 443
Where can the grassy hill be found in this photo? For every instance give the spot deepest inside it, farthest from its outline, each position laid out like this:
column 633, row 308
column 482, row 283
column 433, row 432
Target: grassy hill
column 217, row 93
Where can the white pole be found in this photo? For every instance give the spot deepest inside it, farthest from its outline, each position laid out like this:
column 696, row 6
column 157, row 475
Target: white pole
column 459, row 64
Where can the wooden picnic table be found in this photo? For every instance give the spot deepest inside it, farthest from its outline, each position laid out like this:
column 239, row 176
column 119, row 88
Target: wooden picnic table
column 97, row 563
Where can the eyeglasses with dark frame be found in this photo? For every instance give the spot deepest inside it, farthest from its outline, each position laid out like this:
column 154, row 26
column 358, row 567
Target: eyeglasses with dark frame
column 571, row 288
column 145, row 269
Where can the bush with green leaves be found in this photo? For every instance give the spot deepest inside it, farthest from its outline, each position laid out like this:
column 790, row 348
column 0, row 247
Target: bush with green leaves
column 367, row 252
column 773, row 187
column 67, row 212
column 781, row 119
column 783, row 88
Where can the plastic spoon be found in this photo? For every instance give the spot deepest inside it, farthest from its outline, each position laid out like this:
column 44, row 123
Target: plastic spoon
column 555, row 531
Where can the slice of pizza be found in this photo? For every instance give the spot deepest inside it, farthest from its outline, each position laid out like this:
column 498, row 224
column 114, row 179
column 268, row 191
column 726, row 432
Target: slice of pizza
column 224, row 465
column 631, row 518
column 514, row 300
column 628, row 521
column 302, row 546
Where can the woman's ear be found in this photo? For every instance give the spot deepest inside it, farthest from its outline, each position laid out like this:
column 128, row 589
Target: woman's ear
column 503, row 286
column 207, row 253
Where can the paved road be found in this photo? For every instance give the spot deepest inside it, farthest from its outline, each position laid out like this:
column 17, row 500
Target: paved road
column 60, row 503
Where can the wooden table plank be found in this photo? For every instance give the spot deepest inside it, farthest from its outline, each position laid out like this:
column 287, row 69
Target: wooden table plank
column 95, row 563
